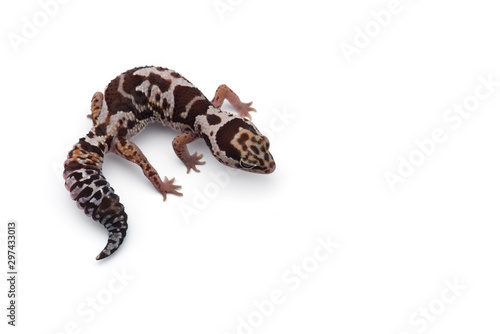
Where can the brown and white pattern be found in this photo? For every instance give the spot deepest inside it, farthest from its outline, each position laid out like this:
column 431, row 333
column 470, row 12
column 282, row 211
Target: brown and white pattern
column 154, row 94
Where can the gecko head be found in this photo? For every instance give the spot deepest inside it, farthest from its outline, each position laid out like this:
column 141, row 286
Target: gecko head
column 239, row 144
column 254, row 152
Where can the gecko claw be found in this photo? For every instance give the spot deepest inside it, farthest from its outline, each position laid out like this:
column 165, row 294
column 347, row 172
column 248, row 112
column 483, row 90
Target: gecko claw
column 194, row 160
column 168, row 187
column 244, row 110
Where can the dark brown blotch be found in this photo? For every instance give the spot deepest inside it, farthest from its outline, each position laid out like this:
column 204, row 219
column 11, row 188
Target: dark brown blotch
column 109, row 140
column 157, row 80
column 101, row 130
column 86, row 192
column 213, row 119
column 165, row 105
column 101, row 183
column 226, row 134
column 117, row 102
column 85, row 146
column 71, row 166
column 182, row 96
column 122, row 132
column 131, row 124
column 243, row 139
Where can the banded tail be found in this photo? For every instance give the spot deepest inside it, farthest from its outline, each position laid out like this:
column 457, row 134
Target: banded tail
column 92, row 192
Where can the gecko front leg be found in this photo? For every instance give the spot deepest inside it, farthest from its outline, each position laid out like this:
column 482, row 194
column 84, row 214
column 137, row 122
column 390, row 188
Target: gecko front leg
column 131, row 152
column 224, row 92
column 180, row 147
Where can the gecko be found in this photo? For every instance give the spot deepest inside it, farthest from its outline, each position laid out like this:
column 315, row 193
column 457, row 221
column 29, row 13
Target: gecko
column 145, row 95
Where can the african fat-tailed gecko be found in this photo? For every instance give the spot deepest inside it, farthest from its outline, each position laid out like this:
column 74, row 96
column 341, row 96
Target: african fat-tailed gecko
column 155, row 94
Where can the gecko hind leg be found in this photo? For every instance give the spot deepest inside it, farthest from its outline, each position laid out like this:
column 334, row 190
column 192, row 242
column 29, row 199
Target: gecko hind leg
column 224, row 92
column 96, row 106
column 128, row 150
column 180, row 147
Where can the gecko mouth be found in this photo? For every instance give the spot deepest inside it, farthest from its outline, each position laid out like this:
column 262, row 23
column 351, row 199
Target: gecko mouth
column 271, row 169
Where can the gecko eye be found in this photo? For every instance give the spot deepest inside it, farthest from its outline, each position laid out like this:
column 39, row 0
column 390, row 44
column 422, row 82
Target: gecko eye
column 244, row 165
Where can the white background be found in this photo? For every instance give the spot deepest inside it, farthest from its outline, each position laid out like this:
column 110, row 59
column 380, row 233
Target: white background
column 346, row 125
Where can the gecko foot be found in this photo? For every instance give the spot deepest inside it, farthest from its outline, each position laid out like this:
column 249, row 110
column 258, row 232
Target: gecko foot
column 168, row 187
column 244, row 109
column 194, row 160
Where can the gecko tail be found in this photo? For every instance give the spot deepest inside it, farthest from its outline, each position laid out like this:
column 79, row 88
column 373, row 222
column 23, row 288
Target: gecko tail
column 115, row 221
column 92, row 192
column 115, row 239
